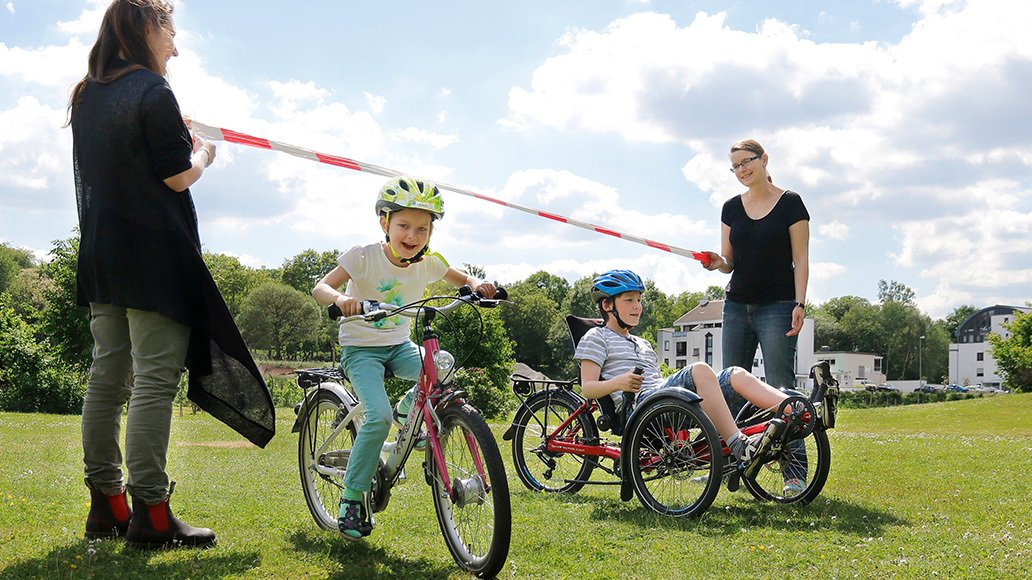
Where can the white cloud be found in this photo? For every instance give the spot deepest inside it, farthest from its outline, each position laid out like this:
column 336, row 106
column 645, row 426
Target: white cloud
column 835, row 230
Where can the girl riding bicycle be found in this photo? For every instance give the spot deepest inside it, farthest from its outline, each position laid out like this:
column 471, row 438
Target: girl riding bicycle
column 395, row 271
column 613, row 361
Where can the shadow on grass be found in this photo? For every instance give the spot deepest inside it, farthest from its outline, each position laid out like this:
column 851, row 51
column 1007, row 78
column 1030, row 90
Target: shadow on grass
column 728, row 519
column 360, row 560
column 104, row 559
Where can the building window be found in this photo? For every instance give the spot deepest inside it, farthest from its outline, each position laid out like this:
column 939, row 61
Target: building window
column 682, row 348
column 666, row 361
column 877, row 365
column 979, row 372
column 709, row 349
column 695, row 353
column 980, row 356
column 666, row 345
column 680, row 364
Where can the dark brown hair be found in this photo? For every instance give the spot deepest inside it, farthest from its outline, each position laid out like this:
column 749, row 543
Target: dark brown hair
column 123, row 35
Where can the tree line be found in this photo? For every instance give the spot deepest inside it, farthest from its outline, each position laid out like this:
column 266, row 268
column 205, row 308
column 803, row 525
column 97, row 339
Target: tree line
column 46, row 343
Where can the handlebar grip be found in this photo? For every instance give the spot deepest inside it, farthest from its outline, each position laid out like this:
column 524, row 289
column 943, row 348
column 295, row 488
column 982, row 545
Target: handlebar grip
column 501, row 294
column 638, row 370
column 334, row 311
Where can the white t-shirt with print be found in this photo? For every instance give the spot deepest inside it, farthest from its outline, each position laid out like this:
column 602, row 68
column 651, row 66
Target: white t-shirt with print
column 374, row 277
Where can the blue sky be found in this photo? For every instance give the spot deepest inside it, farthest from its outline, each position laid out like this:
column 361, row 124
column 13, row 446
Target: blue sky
column 904, row 125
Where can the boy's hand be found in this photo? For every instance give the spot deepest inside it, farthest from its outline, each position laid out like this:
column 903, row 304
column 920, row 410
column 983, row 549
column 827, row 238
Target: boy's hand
column 629, row 382
column 486, row 289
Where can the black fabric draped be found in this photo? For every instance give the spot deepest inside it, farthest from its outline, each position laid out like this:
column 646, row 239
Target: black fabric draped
column 139, row 246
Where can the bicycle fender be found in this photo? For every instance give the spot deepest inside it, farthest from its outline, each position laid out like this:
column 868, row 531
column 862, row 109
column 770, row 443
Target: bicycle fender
column 338, row 389
column 680, row 393
column 521, row 415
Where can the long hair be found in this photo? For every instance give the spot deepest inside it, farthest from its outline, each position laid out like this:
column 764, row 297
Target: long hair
column 123, row 35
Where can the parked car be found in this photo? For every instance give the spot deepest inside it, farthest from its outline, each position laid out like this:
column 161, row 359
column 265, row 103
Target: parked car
column 927, row 389
column 957, row 389
column 887, row 388
column 868, row 386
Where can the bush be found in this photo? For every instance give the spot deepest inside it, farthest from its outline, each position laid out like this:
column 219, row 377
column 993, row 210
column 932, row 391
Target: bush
column 867, row 399
column 32, row 378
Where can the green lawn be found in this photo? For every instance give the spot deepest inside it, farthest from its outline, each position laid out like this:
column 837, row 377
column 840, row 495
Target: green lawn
column 924, row 491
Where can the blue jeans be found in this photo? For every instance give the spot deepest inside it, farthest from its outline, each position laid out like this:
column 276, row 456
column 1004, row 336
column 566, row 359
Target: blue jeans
column 747, row 326
column 683, row 378
column 364, row 366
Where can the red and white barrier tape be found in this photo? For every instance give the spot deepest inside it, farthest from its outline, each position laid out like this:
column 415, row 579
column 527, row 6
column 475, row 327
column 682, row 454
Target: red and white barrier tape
column 219, row 134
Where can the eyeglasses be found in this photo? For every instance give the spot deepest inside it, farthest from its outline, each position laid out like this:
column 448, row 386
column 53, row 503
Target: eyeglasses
column 735, row 168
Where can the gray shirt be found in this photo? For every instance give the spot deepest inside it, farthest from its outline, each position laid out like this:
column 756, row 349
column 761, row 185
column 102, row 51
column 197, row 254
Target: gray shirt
column 616, row 354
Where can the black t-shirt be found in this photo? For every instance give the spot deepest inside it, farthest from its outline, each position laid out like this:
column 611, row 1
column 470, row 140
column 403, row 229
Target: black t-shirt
column 762, row 250
column 139, row 246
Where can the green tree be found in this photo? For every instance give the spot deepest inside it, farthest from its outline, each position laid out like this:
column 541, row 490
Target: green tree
column 234, row 280
column 305, row 269
column 277, row 317
column 836, row 308
column 893, row 291
column 527, row 322
column 714, row 293
column 1013, row 354
column 555, row 287
column 955, row 319
column 12, row 261
column 65, row 324
column 31, row 380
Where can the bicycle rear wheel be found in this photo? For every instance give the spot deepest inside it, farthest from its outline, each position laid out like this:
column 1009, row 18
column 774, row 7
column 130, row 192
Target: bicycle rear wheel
column 549, row 471
column 676, row 458
column 476, row 519
column 322, row 474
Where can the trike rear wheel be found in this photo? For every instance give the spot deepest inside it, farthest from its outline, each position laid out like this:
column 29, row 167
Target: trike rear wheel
column 676, row 459
column 476, row 518
column 542, row 470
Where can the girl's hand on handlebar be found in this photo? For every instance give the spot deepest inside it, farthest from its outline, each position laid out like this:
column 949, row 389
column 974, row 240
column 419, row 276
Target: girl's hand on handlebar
column 348, row 305
column 486, row 289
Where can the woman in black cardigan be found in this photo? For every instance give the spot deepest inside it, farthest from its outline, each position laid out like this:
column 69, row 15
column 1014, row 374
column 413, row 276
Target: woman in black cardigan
column 154, row 307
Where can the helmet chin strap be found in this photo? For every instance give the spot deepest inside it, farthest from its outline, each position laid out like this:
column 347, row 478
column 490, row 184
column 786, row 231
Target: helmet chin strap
column 616, row 315
column 417, row 258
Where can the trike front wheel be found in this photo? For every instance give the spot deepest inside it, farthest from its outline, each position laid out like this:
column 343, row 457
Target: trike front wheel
column 675, row 458
column 475, row 517
column 540, row 469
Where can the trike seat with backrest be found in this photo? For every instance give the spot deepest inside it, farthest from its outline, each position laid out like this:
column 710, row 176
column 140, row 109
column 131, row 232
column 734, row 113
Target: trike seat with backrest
column 610, row 418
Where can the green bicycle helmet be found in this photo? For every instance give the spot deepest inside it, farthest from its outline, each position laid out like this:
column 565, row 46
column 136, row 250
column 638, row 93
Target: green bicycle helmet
column 406, row 192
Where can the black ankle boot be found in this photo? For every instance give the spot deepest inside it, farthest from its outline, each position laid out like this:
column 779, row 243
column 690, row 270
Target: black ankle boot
column 154, row 526
column 109, row 514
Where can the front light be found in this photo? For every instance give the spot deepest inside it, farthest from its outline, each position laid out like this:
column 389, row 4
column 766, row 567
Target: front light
column 445, row 364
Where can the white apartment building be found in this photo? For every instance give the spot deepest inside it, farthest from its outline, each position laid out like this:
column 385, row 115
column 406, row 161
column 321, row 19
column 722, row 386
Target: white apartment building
column 971, row 360
column 851, row 368
column 696, row 336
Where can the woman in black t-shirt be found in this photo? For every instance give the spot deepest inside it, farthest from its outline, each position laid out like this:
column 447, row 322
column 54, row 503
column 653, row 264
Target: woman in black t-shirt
column 765, row 235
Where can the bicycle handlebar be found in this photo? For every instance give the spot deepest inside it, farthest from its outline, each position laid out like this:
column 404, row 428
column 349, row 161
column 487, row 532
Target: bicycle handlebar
column 373, row 310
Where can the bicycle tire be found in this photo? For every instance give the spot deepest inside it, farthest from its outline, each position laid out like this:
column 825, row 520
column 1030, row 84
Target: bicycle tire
column 549, row 471
column 675, row 458
column 812, row 462
column 321, row 491
column 476, row 520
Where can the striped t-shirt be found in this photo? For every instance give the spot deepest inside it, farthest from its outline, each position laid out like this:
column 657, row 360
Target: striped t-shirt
column 617, row 354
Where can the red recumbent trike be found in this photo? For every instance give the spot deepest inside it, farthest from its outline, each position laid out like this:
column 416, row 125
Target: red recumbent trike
column 667, row 451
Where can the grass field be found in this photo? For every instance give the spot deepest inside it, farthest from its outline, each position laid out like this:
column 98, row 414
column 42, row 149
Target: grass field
column 924, row 491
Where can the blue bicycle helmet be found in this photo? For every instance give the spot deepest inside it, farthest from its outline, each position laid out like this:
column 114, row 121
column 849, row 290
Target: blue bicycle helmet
column 615, row 282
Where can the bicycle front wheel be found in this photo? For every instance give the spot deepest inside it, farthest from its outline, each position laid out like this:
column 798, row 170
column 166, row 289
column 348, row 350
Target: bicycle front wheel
column 676, row 458
column 322, row 472
column 476, row 518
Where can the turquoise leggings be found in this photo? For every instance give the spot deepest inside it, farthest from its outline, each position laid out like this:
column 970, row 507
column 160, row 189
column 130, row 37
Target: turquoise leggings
column 364, row 366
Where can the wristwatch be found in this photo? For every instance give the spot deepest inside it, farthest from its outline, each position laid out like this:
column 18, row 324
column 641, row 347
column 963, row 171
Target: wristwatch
column 800, row 305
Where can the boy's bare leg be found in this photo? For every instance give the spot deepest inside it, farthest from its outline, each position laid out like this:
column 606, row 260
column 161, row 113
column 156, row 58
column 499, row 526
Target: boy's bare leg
column 754, row 390
column 713, row 404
